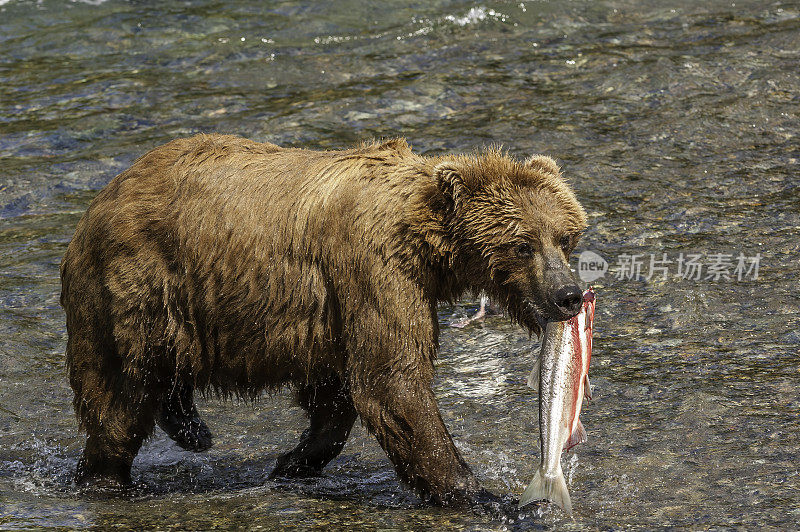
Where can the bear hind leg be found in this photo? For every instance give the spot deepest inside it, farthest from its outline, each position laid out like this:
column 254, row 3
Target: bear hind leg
column 116, row 424
column 179, row 419
column 332, row 414
column 116, row 410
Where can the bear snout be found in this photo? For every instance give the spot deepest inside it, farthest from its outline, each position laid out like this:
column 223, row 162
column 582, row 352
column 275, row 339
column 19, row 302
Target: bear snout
column 568, row 299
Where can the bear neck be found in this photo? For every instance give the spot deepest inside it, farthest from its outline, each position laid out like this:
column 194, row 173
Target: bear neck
column 430, row 246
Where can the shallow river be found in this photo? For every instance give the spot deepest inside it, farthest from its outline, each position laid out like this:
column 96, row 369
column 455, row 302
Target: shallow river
column 675, row 121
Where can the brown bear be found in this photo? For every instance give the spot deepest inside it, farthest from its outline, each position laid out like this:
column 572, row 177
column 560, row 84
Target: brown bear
column 230, row 266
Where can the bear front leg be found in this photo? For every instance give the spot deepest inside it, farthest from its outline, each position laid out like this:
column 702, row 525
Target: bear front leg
column 405, row 418
column 332, row 415
column 390, row 329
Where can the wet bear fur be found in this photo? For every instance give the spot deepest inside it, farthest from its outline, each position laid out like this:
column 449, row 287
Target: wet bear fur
column 224, row 265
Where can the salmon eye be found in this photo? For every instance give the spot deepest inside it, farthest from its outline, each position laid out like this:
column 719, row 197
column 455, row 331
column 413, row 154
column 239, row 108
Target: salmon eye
column 524, row 250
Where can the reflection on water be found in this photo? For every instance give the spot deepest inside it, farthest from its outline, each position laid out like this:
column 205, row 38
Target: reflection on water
column 676, row 123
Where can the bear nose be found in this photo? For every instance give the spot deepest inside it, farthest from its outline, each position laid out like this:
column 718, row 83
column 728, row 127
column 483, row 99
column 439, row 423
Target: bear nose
column 568, row 299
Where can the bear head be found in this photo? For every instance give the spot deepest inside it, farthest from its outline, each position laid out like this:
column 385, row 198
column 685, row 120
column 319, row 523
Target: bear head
column 512, row 226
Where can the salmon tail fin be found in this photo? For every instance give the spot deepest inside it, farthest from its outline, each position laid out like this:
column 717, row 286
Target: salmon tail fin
column 578, row 436
column 533, row 378
column 552, row 489
column 587, row 387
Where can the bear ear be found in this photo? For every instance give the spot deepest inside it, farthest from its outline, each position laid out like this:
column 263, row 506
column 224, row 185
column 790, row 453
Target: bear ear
column 544, row 164
column 450, row 182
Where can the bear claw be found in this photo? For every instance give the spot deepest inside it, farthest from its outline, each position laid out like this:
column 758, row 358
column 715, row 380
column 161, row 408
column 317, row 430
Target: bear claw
column 288, row 468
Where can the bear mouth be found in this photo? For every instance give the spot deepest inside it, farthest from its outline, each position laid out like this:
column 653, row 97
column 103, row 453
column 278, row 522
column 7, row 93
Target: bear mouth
column 533, row 317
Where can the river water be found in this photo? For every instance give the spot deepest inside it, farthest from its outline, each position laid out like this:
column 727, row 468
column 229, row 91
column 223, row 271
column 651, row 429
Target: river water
column 675, row 121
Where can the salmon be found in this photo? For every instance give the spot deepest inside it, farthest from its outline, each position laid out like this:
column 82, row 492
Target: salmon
column 561, row 375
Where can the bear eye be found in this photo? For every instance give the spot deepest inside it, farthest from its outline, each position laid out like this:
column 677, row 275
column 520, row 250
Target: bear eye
column 524, row 250
column 566, row 243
